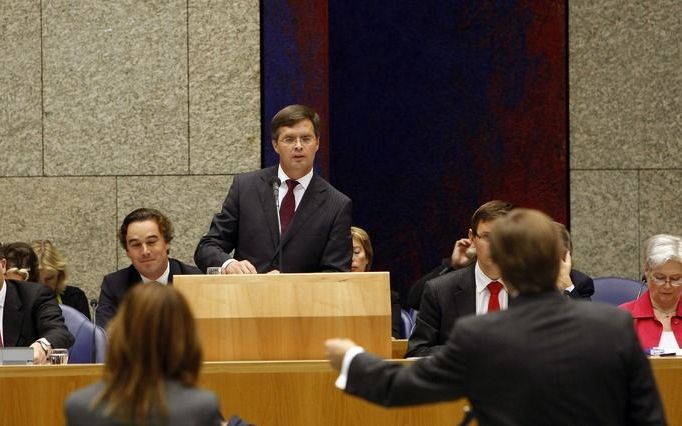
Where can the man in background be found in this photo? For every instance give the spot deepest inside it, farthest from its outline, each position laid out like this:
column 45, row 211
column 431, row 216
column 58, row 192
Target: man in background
column 311, row 231
column 145, row 235
column 30, row 316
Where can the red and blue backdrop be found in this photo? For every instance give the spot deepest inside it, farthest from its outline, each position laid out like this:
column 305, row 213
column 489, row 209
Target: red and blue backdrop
column 429, row 109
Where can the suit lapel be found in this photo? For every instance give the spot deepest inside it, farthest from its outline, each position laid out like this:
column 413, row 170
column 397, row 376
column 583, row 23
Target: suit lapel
column 12, row 317
column 313, row 198
column 465, row 296
column 268, row 204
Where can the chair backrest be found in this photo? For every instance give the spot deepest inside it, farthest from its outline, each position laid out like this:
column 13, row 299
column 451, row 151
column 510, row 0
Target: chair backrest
column 86, row 334
column 408, row 320
column 616, row 291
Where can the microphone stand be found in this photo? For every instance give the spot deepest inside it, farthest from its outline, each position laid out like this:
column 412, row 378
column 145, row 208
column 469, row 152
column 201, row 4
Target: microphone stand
column 276, row 182
column 93, row 349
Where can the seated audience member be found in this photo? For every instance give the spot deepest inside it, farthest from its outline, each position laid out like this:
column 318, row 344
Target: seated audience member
column 474, row 289
column 657, row 313
column 30, row 317
column 545, row 361
column 22, row 262
column 574, row 283
column 145, row 234
column 52, row 272
column 151, row 368
column 363, row 253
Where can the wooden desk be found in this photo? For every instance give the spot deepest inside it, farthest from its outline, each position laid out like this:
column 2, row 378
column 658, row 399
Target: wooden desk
column 265, row 393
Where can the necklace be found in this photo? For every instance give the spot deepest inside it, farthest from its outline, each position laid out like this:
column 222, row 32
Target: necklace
column 666, row 314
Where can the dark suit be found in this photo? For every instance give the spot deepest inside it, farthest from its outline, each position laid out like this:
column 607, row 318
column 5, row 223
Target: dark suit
column 583, row 284
column 318, row 238
column 74, row 297
column 545, row 361
column 117, row 284
column 31, row 312
column 451, row 296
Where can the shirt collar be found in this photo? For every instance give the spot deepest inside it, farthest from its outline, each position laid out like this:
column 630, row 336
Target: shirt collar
column 3, row 294
column 303, row 181
column 482, row 280
column 163, row 279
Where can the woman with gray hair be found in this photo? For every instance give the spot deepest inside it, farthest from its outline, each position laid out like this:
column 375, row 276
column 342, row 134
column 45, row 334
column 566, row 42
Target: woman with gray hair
column 657, row 313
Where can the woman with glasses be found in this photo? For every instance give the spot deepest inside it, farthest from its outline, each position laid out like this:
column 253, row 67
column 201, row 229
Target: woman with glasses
column 657, row 312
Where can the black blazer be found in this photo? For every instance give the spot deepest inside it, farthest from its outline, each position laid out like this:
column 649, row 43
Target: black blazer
column 31, row 312
column 451, row 296
column 116, row 285
column 75, row 297
column 317, row 240
column 545, row 361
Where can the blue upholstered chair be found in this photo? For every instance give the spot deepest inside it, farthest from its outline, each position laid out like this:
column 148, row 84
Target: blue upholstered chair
column 408, row 320
column 616, row 291
column 86, row 334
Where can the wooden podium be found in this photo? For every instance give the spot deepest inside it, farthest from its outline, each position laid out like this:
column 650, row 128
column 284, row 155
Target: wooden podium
column 288, row 316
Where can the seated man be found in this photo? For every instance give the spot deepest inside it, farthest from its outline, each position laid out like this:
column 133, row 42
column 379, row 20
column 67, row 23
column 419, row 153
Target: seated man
column 545, row 361
column 574, row 283
column 145, row 234
column 474, row 289
column 30, row 317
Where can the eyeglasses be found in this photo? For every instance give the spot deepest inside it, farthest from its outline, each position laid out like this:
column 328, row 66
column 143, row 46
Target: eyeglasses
column 484, row 237
column 675, row 281
column 291, row 140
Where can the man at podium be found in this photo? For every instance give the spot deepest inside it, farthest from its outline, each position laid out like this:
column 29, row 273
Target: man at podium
column 284, row 218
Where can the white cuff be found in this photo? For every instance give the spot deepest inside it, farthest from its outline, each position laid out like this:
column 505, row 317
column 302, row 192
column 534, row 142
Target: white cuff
column 345, row 365
column 227, row 262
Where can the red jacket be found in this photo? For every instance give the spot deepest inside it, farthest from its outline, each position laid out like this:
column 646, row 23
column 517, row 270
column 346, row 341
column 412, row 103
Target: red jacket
column 648, row 328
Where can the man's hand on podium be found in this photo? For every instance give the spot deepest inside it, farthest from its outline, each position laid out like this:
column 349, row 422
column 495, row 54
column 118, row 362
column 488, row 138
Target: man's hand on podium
column 240, row 267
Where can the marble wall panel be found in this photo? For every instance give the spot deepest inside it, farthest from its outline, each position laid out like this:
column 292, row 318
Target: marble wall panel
column 115, row 87
column 625, row 84
column 20, row 86
column 78, row 214
column 660, row 202
column 224, row 86
column 189, row 201
column 605, row 223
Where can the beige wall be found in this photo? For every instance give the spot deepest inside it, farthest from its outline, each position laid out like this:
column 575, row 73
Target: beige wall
column 626, row 133
column 106, row 106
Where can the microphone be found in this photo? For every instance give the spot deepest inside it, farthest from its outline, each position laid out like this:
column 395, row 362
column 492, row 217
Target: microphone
column 641, row 287
column 275, row 182
column 93, row 350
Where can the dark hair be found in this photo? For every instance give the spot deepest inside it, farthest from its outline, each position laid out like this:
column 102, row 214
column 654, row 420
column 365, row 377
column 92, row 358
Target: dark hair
column 142, row 214
column 152, row 338
column 21, row 257
column 491, row 210
column 565, row 237
column 525, row 245
column 292, row 115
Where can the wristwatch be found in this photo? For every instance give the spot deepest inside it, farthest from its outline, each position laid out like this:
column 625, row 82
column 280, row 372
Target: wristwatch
column 45, row 345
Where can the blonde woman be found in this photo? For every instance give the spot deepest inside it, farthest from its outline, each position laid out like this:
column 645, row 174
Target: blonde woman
column 53, row 272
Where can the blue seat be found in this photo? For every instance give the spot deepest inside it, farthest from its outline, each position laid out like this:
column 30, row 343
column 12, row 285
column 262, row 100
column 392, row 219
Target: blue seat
column 616, row 291
column 86, row 333
column 408, row 320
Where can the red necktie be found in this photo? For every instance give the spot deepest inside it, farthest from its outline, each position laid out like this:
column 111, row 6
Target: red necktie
column 286, row 210
column 494, row 302
column 2, row 345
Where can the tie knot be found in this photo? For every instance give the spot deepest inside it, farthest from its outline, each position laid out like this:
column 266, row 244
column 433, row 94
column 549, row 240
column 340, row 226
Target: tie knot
column 494, row 288
column 291, row 183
